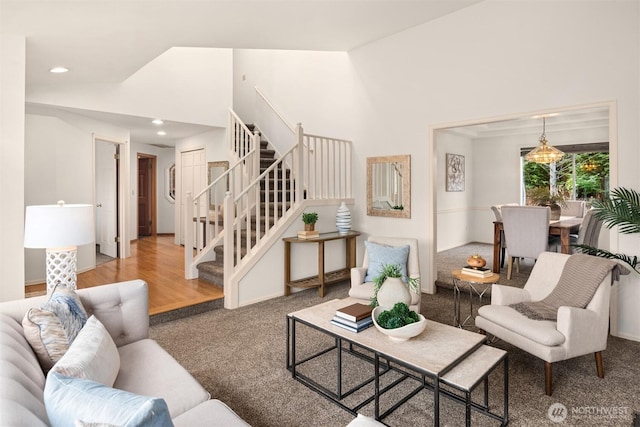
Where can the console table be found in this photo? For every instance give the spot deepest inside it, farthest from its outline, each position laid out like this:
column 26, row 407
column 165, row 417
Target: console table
column 322, row 278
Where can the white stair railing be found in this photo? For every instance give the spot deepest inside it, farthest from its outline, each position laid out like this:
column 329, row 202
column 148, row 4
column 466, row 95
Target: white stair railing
column 248, row 218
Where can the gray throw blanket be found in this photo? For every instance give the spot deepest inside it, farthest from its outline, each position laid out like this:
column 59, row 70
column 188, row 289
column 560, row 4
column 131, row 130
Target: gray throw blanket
column 580, row 278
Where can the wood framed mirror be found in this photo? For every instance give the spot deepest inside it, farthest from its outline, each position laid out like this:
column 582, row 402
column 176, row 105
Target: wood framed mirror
column 217, row 192
column 389, row 186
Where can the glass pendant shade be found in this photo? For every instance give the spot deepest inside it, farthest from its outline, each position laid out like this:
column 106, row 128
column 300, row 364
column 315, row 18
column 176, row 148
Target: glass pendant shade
column 544, row 153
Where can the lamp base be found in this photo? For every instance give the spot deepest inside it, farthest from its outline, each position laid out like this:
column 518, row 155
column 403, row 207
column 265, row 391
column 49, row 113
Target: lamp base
column 61, row 268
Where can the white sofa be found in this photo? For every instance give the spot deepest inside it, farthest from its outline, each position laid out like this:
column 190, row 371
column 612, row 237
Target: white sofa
column 145, row 368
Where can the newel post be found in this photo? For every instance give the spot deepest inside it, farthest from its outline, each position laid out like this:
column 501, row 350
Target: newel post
column 256, row 153
column 230, row 295
column 299, row 172
column 189, row 270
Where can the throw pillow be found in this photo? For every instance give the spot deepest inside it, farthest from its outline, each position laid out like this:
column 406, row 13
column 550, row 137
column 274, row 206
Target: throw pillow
column 68, row 399
column 52, row 328
column 381, row 255
column 92, row 356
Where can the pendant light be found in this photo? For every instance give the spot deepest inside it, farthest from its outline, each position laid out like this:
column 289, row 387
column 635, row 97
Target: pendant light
column 544, row 153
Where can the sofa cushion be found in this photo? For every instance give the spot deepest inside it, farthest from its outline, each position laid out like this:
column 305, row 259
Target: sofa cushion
column 147, row 369
column 381, row 255
column 541, row 331
column 52, row 328
column 69, row 399
column 92, row 356
column 212, row 413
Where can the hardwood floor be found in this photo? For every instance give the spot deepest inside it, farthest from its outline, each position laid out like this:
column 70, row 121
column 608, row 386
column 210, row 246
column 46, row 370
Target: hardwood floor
column 159, row 262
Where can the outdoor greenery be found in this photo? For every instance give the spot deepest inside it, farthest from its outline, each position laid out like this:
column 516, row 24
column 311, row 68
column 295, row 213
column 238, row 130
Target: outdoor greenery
column 592, row 174
column 621, row 209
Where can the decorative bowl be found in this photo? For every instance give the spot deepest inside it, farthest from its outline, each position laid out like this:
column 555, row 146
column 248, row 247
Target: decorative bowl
column 400, row 334
column 476, row 261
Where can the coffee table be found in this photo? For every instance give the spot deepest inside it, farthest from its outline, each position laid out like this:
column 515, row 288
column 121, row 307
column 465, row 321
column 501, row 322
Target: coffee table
column 441, row 355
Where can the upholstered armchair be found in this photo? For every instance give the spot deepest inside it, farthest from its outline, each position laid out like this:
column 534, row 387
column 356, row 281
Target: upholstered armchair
column 385, row 250
column 576, row 332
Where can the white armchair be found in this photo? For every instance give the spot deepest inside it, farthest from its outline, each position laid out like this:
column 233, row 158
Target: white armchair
column 576, row 332
column 363, row 289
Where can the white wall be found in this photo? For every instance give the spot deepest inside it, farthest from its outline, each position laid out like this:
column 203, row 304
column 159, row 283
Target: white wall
column 191, row 85
column 12, row 84
column 59, row 166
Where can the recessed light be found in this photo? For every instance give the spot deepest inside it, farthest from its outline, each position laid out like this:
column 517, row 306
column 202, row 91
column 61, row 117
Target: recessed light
column 157, row 122
column 58, row 70
column 162, row 133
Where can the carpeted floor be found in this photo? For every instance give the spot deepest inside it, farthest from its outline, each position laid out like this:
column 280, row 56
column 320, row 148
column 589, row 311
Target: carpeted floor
column 239, row 357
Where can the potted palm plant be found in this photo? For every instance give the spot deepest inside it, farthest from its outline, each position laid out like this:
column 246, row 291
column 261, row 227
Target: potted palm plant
column 621, row 209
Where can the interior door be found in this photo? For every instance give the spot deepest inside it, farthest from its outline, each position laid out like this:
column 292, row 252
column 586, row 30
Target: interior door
column 106, row 197
column 194, row 180
column 144, row 196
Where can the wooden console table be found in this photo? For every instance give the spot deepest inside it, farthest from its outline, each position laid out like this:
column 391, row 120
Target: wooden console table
column 323, row 278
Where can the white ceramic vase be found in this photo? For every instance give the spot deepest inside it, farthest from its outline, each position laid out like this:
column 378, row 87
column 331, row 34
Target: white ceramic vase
column 343, row 219
column 392, row 291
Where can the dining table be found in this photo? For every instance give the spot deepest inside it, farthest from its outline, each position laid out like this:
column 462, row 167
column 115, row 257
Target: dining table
column 563, row 227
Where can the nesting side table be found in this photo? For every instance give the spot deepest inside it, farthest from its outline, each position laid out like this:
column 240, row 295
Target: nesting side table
column 477, row 285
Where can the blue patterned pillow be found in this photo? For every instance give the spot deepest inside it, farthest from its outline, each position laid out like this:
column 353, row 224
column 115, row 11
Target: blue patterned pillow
column 51, row 329
column 68, row 399
column 381, row 255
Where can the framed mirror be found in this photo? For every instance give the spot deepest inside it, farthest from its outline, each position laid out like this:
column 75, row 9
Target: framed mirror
column 389, row 186
column 217, row 192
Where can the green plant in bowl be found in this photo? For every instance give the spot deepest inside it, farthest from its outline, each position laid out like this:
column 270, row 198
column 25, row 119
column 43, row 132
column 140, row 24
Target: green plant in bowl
column 400, row 315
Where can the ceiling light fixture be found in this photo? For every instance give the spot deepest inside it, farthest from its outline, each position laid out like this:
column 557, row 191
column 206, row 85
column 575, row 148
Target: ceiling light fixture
column 58, row 70
column 161, row 133
column 544, row 153
column 157, row 122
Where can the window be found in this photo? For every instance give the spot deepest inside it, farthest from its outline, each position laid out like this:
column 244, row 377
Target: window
column 582, row 174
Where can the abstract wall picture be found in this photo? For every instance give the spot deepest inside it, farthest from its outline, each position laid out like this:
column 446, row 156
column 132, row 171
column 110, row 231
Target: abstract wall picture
column 455, row 172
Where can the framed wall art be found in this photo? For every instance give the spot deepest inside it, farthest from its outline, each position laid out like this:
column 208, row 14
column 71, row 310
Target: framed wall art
column 455, row 172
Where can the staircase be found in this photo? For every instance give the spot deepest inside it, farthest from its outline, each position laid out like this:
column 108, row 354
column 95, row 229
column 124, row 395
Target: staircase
column 265, row 192
column 213, row 271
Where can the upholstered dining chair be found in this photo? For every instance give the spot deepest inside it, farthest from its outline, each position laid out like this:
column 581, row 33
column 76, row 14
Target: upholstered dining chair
column 573, row 208
column 526, row 229
column 379, row 251
column 496, row 209
column 576, row 331
column 588, row 234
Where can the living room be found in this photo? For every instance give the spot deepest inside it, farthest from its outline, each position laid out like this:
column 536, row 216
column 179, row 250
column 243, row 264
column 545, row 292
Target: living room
column 490, row 59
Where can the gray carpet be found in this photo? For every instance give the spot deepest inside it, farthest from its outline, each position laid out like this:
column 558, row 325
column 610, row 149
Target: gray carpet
column 239, row 357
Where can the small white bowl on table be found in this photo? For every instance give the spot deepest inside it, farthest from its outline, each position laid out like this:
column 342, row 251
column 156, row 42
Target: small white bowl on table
column 400, row 334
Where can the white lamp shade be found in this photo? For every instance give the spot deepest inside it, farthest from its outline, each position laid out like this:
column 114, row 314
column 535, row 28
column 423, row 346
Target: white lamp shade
column 56, row 226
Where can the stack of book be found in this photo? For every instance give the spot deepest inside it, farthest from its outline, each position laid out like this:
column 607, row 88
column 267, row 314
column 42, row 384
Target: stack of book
column 354, row 317
column 308, row 234
column 477, row 271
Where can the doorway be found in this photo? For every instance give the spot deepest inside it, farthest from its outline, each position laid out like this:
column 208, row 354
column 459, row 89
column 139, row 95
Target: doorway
column 147, row 195
column 476, row 213
column 107, row 186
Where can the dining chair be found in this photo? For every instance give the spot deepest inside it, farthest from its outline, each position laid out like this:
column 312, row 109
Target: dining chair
column 573, row 208
column 588, row 234
column 503, row 242
column 526, row 229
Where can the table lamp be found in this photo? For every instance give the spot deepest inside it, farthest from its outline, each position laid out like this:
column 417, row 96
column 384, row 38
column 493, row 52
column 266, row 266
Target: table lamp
column 59, row 229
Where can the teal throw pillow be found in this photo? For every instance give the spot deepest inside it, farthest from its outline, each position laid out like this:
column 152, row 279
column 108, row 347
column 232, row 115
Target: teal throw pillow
column 69, row 399
column 381, row 255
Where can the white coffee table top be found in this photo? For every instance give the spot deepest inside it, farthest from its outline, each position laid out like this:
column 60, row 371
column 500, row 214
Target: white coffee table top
column 435, row 351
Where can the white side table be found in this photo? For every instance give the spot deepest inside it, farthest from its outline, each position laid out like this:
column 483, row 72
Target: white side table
column 476, row 285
